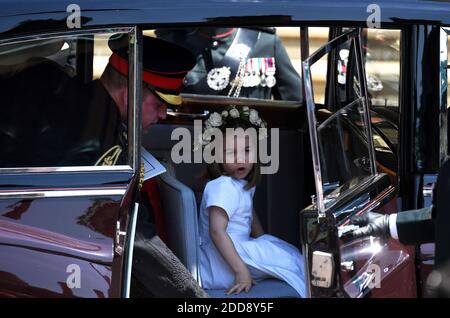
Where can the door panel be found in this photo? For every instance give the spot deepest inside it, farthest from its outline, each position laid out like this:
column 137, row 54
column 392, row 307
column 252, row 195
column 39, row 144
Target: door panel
column 348, row 184
column 45, row 240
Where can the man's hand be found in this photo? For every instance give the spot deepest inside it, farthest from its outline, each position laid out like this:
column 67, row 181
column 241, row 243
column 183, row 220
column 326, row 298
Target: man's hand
column 373, row 224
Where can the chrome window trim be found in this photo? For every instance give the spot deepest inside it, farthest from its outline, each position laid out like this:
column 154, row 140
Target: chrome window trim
column 134, row 108
column 124, row 168
column 305, row 250
column 26, row 194
column 353, row 35
column 443, row 94
column 130, row 248
column 135, row 97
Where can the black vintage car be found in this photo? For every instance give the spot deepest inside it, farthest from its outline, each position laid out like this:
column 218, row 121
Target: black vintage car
column 368, row 133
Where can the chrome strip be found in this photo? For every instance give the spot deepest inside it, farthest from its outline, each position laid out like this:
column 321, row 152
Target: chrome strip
column 60, row 193
column 64, row 34
column 121, row 168
column 77, row 33
column 135, row 98
column 366, row 115
column 443, row 80
column 129, row 260
column 311, row 106
column 307, row 269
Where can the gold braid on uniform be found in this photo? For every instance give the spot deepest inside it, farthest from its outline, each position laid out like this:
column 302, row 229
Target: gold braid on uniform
column 141, row 175
column 110, row 157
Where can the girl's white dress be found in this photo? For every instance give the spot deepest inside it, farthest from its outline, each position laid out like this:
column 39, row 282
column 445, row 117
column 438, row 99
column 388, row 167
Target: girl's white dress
column 265, row 256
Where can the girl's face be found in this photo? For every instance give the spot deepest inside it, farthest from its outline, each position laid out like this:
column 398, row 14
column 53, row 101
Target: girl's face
column 239, row 156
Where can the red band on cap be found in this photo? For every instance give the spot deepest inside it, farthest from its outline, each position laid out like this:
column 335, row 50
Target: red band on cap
column 158, row 81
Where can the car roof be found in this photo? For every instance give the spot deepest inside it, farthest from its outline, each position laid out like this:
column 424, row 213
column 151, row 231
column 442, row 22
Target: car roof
column 21, row 16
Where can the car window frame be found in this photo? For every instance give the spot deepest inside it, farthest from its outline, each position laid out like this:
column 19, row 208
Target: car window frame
column 134, row 100
column 354, row 35
column 443, row 94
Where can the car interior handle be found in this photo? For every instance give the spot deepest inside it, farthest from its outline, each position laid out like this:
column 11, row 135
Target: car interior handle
column 174, row 113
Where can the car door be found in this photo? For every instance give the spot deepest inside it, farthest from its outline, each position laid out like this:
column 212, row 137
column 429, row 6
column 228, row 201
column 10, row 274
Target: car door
column 64, row 219
column 347, row 183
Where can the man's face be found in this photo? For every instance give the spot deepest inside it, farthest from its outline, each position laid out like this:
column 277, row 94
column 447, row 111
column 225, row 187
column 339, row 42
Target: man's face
column 153, row 109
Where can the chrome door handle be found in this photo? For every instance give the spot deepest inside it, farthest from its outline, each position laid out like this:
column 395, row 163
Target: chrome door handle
column 203, row 115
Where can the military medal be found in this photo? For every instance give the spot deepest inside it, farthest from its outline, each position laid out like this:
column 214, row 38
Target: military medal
column 263, row 72
column 218, row 78
column 246, row 79
column 256, row 75
column 271, row 81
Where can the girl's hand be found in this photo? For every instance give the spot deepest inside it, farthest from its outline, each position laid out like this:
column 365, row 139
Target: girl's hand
column 243, row 281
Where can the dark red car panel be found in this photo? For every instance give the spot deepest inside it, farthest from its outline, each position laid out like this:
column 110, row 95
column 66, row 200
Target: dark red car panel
column 41, row 238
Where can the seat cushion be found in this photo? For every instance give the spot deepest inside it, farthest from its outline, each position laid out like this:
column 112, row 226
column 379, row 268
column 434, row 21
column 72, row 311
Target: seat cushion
column 180, row 211
column 267, row 288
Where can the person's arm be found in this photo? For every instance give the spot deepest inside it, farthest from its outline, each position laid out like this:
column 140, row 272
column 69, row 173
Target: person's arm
column 409, row 227
column 257, row 229
column 416, row 226
column 218, row 221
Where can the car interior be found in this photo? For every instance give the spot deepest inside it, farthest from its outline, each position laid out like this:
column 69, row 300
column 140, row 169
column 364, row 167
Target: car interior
column 278, row 199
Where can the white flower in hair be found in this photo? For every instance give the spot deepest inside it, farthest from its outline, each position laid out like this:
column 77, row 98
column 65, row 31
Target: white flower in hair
column 215, row 119
column 225, row 114
column 245, row 110
column 234, row 113
column 254, row 117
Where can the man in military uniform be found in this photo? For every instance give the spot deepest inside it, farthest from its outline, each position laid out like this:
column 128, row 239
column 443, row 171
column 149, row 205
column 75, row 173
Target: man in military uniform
column 417, row 226
column 255, row 56
column 156, row 270
column 65, row 122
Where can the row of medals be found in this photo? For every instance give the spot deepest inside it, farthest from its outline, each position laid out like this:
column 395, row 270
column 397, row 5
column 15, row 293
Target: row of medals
column 258, row 72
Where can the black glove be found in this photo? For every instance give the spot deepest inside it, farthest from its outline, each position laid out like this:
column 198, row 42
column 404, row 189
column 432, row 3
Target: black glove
column 374, row 224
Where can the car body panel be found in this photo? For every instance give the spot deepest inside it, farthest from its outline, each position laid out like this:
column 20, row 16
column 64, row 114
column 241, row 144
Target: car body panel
column 48, row 235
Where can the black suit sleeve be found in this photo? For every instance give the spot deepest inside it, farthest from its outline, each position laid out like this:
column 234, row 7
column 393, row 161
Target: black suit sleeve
column 415, row 226
column 442, row 201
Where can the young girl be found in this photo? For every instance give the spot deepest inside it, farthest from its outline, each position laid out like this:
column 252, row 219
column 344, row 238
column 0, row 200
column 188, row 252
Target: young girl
column 234, row 251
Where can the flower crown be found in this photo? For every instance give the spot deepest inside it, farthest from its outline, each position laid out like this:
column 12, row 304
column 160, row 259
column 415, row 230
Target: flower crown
column 217, row 120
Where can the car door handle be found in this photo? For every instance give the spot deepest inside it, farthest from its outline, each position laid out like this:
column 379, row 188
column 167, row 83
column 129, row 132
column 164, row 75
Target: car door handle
column 174, row 113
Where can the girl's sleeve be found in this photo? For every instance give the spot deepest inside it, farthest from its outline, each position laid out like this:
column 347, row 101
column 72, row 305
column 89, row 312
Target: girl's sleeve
column 223, row 195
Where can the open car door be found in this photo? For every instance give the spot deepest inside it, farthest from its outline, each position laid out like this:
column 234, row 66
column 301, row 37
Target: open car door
column 347, row 184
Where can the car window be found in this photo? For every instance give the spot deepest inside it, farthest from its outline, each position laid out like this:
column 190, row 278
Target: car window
column 382, row 61
column 342, row 154
column 448, row 68
column 257, row 62
column 57, row 108
column 318, row 36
